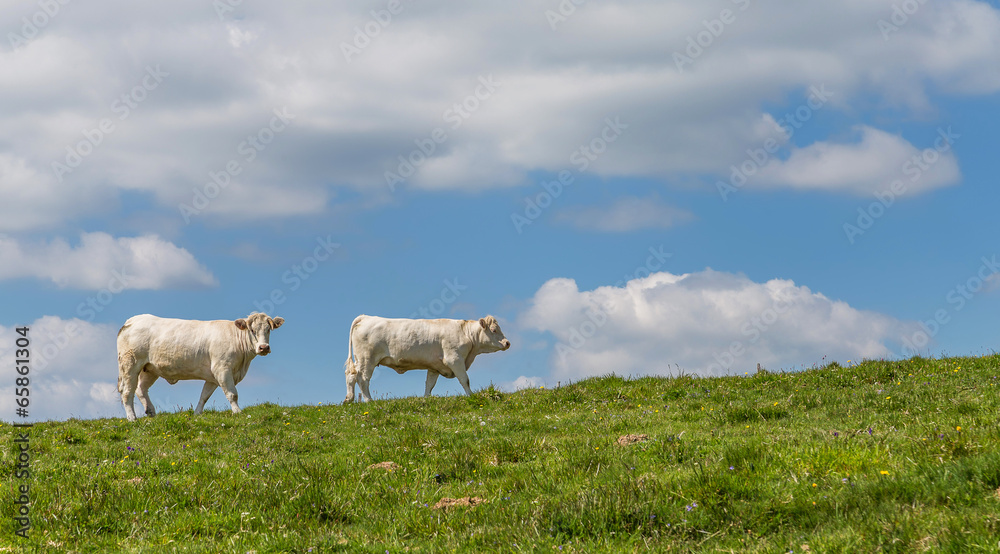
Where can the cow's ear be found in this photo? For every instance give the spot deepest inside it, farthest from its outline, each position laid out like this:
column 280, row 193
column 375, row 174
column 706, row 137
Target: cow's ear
column 241, row 324
column 277, row 322
column 482, row 322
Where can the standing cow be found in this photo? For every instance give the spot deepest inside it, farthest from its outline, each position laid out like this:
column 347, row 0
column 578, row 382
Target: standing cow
column 441, row 346
column 217, row 352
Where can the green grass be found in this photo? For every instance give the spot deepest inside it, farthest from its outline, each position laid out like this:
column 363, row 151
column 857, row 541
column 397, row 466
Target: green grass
column 878, row 456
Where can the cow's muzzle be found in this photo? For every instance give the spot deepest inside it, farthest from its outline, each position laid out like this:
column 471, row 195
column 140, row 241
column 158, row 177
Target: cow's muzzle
column 506, row 344
column 263, row 349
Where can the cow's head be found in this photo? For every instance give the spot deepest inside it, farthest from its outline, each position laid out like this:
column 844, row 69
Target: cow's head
column 259, row 326
column 493, row 335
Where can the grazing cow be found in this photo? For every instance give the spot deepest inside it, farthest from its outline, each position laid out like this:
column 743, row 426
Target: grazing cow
column 217, row 352
column 441, row 346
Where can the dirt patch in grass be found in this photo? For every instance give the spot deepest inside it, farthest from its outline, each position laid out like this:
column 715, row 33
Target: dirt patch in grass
column 626, row 440
column 388, row 466
column 446, row 503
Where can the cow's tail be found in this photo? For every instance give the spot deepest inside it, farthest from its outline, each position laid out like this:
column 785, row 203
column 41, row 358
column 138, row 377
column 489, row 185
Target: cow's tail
column 124, row 365
column 350, row 367
column 126, row 361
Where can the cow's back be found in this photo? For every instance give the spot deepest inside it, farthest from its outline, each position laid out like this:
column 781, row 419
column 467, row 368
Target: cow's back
column 167, row 342
column 398, row 333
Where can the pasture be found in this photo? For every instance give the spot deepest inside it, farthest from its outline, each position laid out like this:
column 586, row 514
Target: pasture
column 895, row 456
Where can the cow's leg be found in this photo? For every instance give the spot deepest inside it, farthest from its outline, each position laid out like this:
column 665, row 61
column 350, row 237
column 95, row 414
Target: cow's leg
column 458, row 368
column 128, row 379
column 365, row 368
column 229, row 387
column 206, row 392
column 146, row 379
column 432, row 378
column 352, row 379
column 351, row 375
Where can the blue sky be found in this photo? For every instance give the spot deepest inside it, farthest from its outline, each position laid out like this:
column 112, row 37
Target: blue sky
column 650, row 258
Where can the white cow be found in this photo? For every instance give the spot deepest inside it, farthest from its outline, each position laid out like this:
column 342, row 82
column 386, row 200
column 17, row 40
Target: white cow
column 217, row 352
column 441, row 346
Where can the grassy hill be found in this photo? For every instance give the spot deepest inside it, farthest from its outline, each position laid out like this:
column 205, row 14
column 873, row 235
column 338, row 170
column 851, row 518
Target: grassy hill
column 878, row 456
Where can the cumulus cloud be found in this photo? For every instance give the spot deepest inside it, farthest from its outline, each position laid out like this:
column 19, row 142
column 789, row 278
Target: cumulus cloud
column 522, row 382
column 625, row 214
column 226, row 73
column 868, row 166
column 73, row 369
column 706, row 323
column 100, row 261
column 41, row 202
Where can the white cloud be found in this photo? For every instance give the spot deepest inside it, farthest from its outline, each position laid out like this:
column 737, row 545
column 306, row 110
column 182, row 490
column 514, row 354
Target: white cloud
column 522, row 382
column 354, row 119
column 704, row 323
column 73, row 370
column 466, row 167
column 237, row 37
column 625, row 214
column 866, row 167
column 242, row 200
column 102, row 261
column 41, row 202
